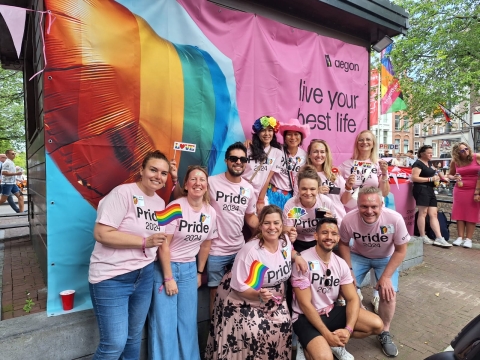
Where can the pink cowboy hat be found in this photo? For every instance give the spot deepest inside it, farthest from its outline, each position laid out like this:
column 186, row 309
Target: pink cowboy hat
column 294, row 125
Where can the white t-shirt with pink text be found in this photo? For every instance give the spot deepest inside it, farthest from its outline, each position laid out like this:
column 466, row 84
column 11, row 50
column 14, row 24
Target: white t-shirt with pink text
column 288, row 168
column 279, row 264
column 190, row 231
column 325, row 289
column 129, row 210
column 231, row 202
column 336, row 198
column 377, row 240
column 303, row 218
column 271, row 164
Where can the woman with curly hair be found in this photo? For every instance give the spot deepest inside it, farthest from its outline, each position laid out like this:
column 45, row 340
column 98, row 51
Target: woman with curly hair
column 250, row 318
column 264, row 153
column 465, row 169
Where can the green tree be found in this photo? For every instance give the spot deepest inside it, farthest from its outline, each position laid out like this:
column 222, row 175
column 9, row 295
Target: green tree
column 439, row 59
column 12, row 123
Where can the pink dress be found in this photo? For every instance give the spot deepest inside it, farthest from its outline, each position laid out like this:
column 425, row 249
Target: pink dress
column 464, row 207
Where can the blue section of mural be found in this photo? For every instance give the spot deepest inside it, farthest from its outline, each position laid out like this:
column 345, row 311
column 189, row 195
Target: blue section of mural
column 70, row 221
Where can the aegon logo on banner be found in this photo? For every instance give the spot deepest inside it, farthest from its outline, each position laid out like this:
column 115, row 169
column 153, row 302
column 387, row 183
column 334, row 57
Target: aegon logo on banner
column 345, row 65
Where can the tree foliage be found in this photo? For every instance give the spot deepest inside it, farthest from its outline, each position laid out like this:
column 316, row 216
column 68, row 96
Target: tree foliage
column 12, row 118
column 439, row 59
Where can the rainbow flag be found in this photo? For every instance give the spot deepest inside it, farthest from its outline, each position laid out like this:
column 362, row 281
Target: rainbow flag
column 256, row 275
column 170, row 213
column 391, row 94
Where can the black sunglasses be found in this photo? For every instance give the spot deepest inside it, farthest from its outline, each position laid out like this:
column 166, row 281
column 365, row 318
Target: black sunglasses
column 234, row 159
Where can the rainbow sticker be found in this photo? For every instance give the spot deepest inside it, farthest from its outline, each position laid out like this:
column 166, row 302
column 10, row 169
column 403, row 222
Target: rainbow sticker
column 296, row 213
column 284, row 254
column 311, row 265
column 256, row 275
column 383, row 229
column 170, row 213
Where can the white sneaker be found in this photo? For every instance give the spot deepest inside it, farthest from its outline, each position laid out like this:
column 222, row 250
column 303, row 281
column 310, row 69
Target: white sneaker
column 375, row 303
column 341, row 353
column 442, row 242
column 426, row 240
column 467, row 244
column 458, row 242
column 359, row 292
column 300, row 353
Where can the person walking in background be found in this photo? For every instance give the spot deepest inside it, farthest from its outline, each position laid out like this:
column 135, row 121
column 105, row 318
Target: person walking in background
column 172, row 319
column 9, row 181
column 424, row 179
column 120, row 276
column 410, row 160
column 465, row 169
column 10, row 200
column 380, row 240
column 264, row 155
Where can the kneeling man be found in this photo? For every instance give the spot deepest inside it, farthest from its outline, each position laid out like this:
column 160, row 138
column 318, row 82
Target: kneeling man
column 323, row 328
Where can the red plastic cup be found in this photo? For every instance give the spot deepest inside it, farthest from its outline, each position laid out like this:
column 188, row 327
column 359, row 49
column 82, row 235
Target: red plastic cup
column 67, row 299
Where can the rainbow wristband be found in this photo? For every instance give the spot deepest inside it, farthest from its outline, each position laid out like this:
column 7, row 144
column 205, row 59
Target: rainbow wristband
column 350, row 330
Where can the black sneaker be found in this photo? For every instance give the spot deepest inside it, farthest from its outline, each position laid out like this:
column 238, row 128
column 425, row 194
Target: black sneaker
column 388, row 347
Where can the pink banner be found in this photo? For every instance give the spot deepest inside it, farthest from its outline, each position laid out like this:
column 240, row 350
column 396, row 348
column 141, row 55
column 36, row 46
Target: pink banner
column 286, row 72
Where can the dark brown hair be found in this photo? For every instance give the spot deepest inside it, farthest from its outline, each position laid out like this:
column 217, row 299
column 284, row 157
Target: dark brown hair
column 156, row 154
column 308, row 172
column 267, row 210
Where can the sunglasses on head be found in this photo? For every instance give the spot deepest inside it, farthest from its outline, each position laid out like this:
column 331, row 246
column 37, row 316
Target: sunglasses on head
column 328, row 272
column 234, row 159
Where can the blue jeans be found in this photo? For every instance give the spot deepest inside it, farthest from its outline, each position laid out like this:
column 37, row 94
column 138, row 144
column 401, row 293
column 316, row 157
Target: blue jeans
column 362, row 265
column 121, row 306
column 172, row 320
column 11, row 202
column 216, row 268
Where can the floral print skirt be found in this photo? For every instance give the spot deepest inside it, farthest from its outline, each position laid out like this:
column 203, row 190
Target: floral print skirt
column 241, row 329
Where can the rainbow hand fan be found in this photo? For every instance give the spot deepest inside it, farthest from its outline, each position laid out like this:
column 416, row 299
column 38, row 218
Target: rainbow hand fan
column 256, row 275
column 170, row 213
column 296, row 213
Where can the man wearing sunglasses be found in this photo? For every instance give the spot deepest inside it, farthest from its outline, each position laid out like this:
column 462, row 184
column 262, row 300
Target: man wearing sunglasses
column 9, row 186
column 380, row 240
column 320, row 324
column 234, row 201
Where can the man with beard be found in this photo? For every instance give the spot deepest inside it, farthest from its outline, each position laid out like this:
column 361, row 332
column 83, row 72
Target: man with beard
column 380, row 240
column 233, row 199
column 323, row 327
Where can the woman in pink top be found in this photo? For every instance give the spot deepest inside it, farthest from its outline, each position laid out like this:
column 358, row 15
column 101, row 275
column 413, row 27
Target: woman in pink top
column 465, row 169
column 249, row 323
column 264, row 154
column 294, row 157
column 365, row 165
column 172, row 320
column 120, row 277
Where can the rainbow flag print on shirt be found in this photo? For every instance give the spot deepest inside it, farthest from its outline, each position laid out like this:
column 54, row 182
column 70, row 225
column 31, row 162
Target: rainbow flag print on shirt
column 172, row 212
column 256, row 275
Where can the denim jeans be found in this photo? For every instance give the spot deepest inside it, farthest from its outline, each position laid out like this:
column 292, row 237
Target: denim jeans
column 121, row 307
column 172, row 320
column 362, row 265
column 11, row 202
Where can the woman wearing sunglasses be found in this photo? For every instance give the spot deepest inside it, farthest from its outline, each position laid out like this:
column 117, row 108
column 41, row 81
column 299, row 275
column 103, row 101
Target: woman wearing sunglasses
column 250, row 318
column 302, row 212
column 264, row 156
column 465, row 169
column 294, row 157
column 333, row 184
column 172, row 319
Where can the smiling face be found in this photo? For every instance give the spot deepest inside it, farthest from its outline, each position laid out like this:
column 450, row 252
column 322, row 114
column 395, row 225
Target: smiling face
column 308, row 191
column 365, row 142
column 154, row 175
column 196, row 184
column 327, row 236
column 369, row 207
column 266, row 135
column 317, row 154
column 236, row 168
column 292, row 138
column 271, row 227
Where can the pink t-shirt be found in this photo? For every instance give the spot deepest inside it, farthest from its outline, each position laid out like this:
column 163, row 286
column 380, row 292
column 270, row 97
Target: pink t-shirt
column 377, row 240
column 127, row 209
column 231, row 202
column 325, row 290
column 367, row 174
column 294, row 163
column 190, row 231
column 295, row 214
column 271, row 164
column 279, row 264
column 337, row 203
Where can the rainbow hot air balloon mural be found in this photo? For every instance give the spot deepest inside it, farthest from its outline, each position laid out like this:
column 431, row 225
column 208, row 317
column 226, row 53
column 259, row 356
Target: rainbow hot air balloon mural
column 116, row 90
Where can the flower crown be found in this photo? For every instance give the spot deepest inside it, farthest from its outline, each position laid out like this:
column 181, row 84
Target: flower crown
column 264, row 122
